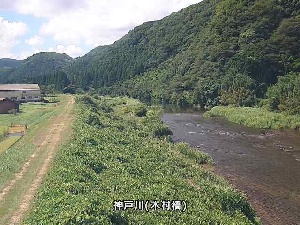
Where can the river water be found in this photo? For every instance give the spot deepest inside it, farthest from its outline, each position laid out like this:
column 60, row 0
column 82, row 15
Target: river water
column 264, row 164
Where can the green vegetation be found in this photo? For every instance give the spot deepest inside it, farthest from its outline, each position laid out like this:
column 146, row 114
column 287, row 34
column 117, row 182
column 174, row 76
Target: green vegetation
column 3, row 131
column 9, row 63
column 8, row 142
column 116, row 154
column 285, row 95
column 29, row 112
column 216, row 52
column 45, row 68
column 212, row 53
column 256, row 117
column 35, row 116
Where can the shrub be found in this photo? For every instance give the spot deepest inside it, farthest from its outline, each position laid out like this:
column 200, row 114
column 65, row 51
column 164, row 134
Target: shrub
column 162, row 131
column 141, row 111
column 285, row 94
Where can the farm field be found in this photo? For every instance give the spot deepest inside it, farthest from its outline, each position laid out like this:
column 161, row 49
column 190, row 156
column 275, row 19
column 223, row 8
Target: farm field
column 24, row 165
column 121, row 168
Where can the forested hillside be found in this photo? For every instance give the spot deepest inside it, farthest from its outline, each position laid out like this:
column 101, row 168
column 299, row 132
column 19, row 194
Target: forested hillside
column 43, row 68
column 240, row 52
column 9, row 63
column 215, row 52
column 142, row 49
column 7, row 66
column 243, row 50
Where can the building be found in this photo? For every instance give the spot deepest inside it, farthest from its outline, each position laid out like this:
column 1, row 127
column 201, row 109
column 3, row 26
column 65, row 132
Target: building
column 21, row 92
column 7, row 105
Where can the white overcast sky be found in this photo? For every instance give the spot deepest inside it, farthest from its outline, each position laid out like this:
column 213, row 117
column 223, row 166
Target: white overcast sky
column 73, row 26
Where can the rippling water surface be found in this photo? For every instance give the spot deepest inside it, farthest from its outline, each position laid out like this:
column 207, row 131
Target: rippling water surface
column 265, row 164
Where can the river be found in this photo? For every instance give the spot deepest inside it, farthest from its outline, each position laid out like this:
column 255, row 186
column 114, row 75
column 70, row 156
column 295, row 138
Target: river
column 264, row 164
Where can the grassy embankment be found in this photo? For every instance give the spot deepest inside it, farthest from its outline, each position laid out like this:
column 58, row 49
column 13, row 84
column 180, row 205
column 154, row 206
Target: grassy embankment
column 3, row 132
column 120, row 151
column 35, row 116
column 256, row 117
column 8, row 142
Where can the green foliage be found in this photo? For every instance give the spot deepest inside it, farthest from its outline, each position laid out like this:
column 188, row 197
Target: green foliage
column 141, row 111
column 142, row 49
column 45, row 68
column 162, row 131
column 9, row 63
column 188, row 58
column 233, row 52
column 3, row 132
column 285, row 95
column 237, row 90
column 256, row 117
column 123, row 161
column 71, row 89
column 7, row 143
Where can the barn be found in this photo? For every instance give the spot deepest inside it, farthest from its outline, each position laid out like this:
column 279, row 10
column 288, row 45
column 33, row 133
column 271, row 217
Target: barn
column 7, row 105
column 21, row 92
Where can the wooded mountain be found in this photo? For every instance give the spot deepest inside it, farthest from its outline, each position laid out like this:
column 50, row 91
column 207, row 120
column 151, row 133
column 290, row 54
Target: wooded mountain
column 44, row 68
column 7, row 66
column 143, row 49
column 9, row 63
column 214, row 52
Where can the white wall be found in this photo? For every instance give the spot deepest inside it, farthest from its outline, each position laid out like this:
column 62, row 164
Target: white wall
column 22, row 95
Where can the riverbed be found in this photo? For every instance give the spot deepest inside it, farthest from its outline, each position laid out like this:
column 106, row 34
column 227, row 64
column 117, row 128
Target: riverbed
column 264, row 164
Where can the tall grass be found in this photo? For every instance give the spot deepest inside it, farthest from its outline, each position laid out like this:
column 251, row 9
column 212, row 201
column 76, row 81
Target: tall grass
column 256, row 117
column 8, row 142
column 3, row 132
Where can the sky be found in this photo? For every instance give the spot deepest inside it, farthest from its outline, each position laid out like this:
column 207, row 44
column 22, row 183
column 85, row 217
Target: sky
column 73, row 26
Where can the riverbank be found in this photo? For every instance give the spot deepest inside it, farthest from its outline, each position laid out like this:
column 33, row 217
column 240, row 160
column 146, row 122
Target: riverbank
column 255, row 117
column 121, row 168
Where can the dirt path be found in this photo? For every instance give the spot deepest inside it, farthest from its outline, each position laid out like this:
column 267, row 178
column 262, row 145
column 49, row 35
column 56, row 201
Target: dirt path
column 47, row 141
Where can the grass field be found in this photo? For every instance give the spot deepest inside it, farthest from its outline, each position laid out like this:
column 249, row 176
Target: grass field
column 24, row 165
column 7, row 143
column 29, row 113
column 35, row 116
column 256, row 117
column 3, row 129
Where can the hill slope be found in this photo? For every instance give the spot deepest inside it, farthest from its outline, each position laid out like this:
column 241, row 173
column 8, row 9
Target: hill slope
column 211, row 53
column 142, row 49
column 9, row 63
column 214, row 52
column 42, row 68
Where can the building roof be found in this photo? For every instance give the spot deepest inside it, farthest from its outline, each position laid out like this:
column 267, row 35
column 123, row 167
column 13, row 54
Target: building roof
column 12, row 87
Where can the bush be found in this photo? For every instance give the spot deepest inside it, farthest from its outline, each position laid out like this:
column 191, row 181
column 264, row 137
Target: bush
column 285, row 95
column 140, row 111
column 162, row 131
